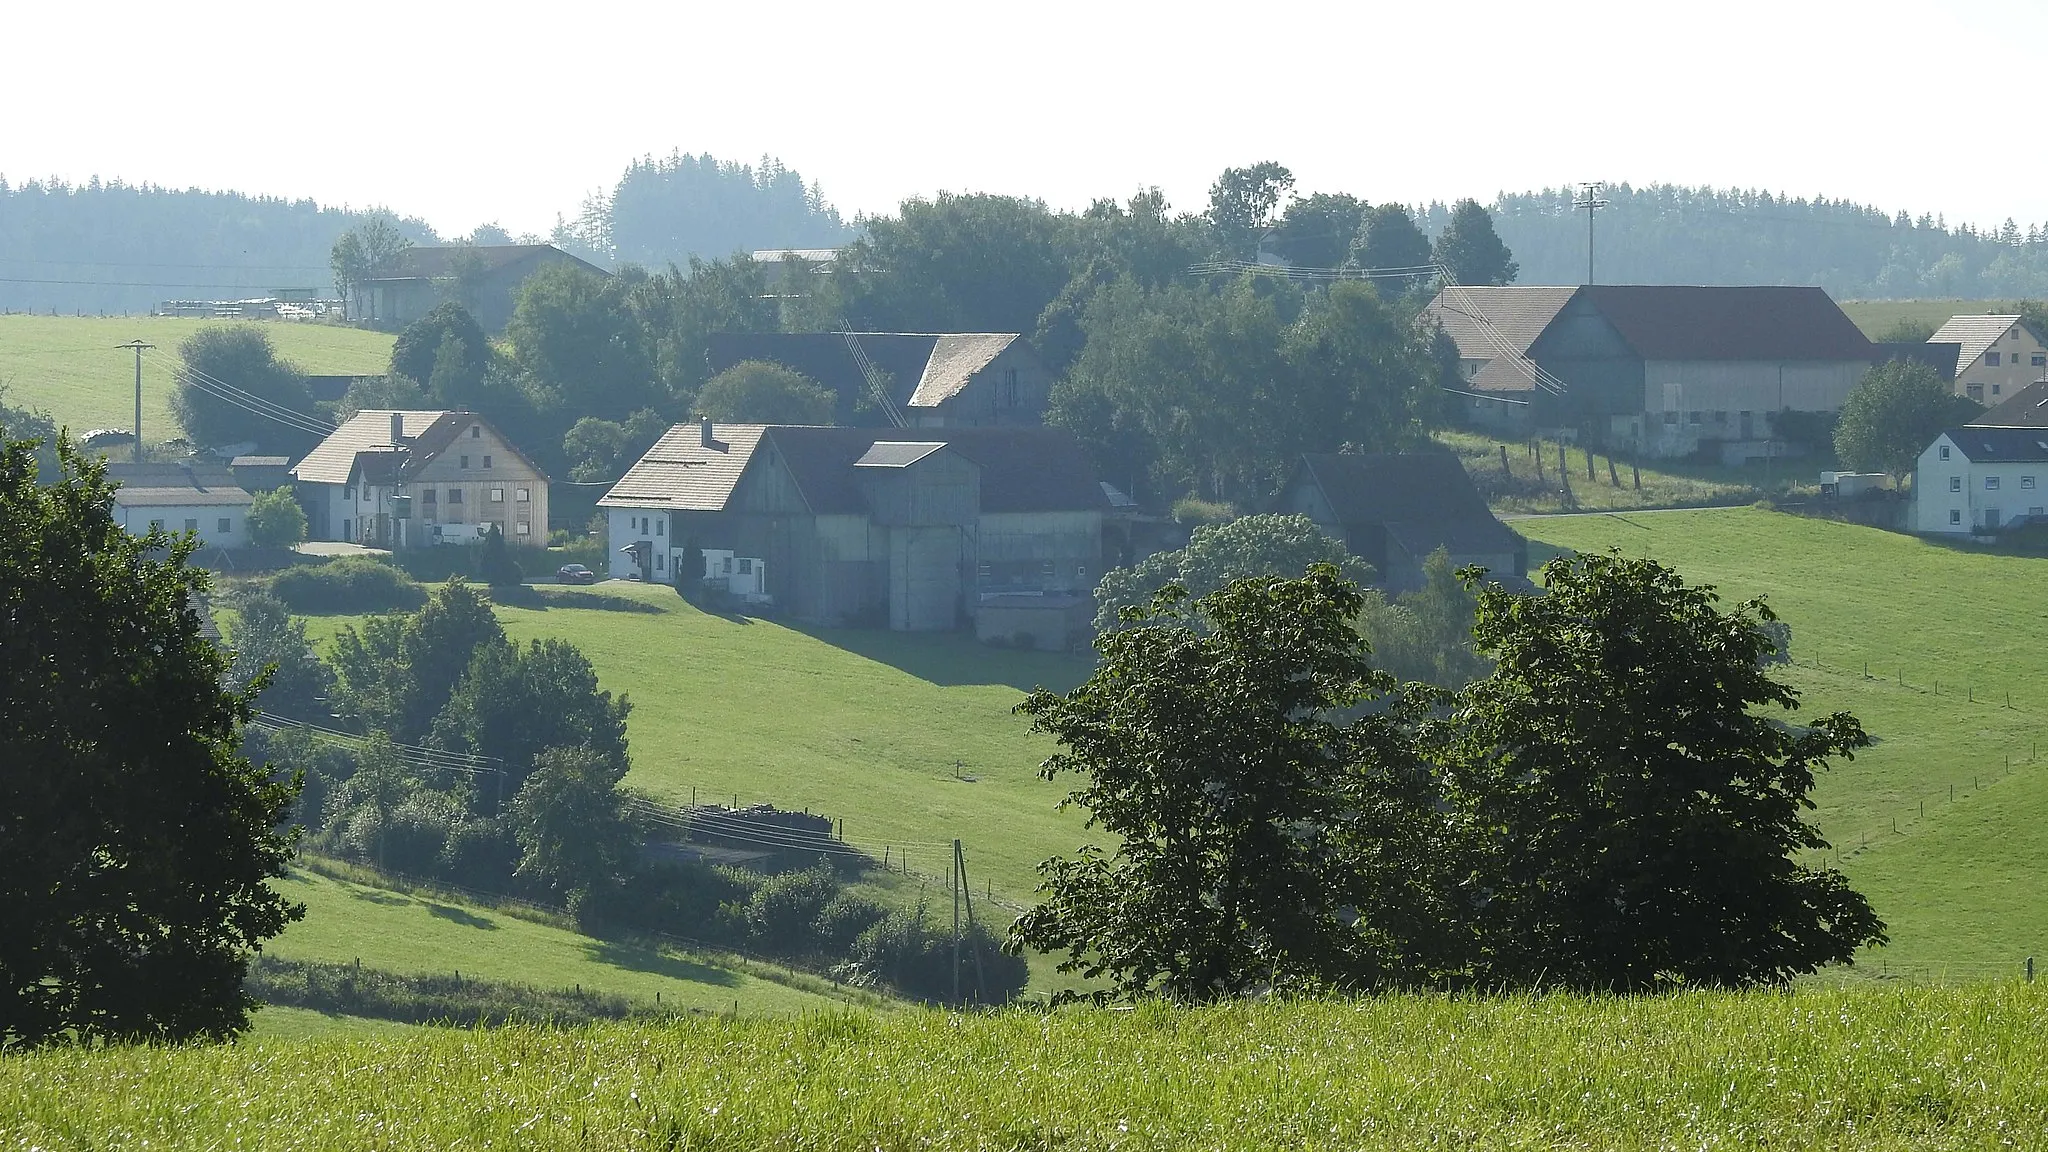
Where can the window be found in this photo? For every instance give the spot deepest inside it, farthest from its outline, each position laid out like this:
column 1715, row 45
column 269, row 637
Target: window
column 1720, row 417
column 1997, row 388
column 981, row 572
column 1975, row 391
column 1955, row 516
column 1010, row 387
column 191, row 524
column 345, row 533
column 2026, row 481
column 525, row 529
column 1080, row 573
column 347, row 493
column 465, row 462
column 523, row 494
column 1991, row 483
column 1671, row 417
column 657, row 557
column 427, row 495
column 1991, row 359
column 2039, row 360
column 487, row 462
column 1692, row 417
column 475, row 431
column 225, row 526
column 1944, row 451
column 1955, row 483
column 659, row 526
column 746, row 567
column 455, row 495
column 497, row 495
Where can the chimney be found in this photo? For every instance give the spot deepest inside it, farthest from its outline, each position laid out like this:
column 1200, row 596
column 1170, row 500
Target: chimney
column 397, row 429
column 704, row 437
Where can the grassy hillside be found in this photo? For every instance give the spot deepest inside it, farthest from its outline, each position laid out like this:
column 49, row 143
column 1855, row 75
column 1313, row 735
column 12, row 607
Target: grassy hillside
column 420, row 934
column 68, row 365
column 1871, row 1068
column 1946, row 635
column 1874, row 316
column 872, row 728
column 1614, row 483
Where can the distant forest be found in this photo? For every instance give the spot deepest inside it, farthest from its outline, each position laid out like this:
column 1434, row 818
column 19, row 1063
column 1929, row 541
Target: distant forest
column 117, row 248
column 1665, row 234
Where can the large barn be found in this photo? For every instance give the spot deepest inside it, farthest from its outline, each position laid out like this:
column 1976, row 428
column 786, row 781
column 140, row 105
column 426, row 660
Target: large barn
column 918, row 530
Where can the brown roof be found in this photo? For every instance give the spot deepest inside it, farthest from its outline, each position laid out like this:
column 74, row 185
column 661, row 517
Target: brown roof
column 2026, row 408
column 680, row 472
column 1480, row 318
column 1751, row 322
column 1976, row 334
column 1425, row 499
column 442, row 260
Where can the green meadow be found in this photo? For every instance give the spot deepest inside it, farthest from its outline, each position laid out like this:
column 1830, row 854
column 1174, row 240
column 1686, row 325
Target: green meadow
column 68, row 365
column 1873, row 1068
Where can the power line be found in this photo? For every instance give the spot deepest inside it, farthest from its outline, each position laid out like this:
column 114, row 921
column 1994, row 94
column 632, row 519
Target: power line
column 248, row 401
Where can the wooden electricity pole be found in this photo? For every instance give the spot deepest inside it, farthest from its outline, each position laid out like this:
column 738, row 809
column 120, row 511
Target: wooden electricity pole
column 137, row 347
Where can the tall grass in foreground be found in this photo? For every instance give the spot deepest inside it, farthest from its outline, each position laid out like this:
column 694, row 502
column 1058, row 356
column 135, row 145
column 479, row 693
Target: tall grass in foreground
column 1864, row 1068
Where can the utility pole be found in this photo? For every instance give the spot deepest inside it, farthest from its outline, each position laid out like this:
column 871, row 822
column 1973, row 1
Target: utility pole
column 956, row 921
column 1591, row 202
column 138, row 347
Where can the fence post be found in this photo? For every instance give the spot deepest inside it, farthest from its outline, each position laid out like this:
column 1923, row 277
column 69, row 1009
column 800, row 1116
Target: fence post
column 2030, row 969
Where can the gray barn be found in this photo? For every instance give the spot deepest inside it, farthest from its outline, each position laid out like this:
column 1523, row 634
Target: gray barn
column 1392, row 511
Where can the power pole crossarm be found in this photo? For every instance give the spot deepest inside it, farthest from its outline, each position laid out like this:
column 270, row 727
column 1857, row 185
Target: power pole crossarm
column 138, row 347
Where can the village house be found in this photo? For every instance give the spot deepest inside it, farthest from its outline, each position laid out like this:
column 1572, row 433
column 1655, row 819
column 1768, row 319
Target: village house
column 405, row 479
column 1658, row 369
column 1996, row 356
column 2026, row 408
column 934, row 380
column 483, row 278
column 182, row 497
column 1977, row 481
column 913, row 530
column 1393, row 510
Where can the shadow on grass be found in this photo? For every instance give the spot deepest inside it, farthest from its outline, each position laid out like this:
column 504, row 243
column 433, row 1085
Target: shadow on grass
column 378, row 896
column 952, row 659
column 634, row 958
column 543, row 598
column 461, row 916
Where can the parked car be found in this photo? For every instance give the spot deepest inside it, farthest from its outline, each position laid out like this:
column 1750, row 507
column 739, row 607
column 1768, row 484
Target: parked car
column 575, row 574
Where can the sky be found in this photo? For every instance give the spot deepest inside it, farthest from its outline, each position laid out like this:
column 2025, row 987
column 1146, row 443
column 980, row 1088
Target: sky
column 510, row 113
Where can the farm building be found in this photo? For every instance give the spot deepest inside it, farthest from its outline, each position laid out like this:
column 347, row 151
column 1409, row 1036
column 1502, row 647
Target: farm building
column 1996, row 356
column 200, row 498
column 1392, row 511
column 2026, row 408
column 397, row 479
column 935, row 380
column 1662, row 369
column 918, row 531
column 1975, row 480
column 483, row 278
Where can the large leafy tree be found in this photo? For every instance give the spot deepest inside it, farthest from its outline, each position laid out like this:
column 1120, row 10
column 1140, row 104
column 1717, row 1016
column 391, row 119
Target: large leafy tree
column 135, row 840
column 512, row 704
column 957, row 263
column 758, row 392
column 275, row 519
column 1318, row 231
column 1363, row 377
column 232, row 376
column 1893, row 414
column 1390, row 239
column 1268, row 832
column 1260, row 545
column 396, row 673
column 417, row 352
column 1639, row 808
column 569, row 819
column 1472, row 251
column 579, row 346
column 274, row 660
column 1242, row 202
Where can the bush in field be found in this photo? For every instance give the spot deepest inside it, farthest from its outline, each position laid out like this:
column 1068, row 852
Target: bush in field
column 906, row 952
column 276, row 520
column 351, row 584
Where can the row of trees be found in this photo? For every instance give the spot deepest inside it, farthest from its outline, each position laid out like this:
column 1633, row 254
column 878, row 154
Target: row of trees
column 1615, row 805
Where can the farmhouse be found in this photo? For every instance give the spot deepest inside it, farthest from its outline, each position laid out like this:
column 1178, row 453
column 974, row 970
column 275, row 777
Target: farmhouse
column 2026, row 408
column 182, row 497
column 934, row 380
column 1996, row 356
column 1975, row 480
column 921, row 531
column 399, row 479
column 1392, row 511
column 1661, row 369
column 483, row 278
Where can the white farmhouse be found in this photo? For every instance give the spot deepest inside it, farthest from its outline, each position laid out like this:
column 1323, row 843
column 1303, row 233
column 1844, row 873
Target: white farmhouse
column 182, row 498
column 1974, row 481
column 405, row 479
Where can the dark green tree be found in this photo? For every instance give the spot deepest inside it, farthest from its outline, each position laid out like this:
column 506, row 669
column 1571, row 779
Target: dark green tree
column 496, row 565
column 238, row 357
column 1242, row 202
column 579, row 347
column 1268, row 832
column 957, row 263
column 1426, row 635
column 396, row 673
column 1907, row 330
column 1472, row 251
column 1390, row 239
column 32, row 425
column 267, row 638
column 1640, row 810
column 512, row 704
column 136, row 841
column 416, row 353
column 569, row 819
column 1893, row 414
column 1318, row 231
column 757, row 392
column 1363, row 377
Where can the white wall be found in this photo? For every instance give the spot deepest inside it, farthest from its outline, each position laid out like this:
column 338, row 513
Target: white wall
column 629, row 524
column 1952, row 495
column 136, row 520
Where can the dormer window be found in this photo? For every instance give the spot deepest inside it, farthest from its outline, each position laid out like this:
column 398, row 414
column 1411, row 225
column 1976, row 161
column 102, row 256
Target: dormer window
column 475, row 430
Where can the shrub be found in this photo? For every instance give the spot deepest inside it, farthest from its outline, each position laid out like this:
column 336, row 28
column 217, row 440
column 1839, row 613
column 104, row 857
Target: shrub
column 1194, row 510
column 841, row 921
column 903, row 952
column 276, row 520
column 783, row 910
column 347, row 585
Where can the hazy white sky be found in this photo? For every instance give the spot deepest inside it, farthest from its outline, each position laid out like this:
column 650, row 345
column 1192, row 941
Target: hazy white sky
column 511, row 112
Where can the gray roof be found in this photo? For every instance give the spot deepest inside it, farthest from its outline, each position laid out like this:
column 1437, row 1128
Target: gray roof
column 808, row 255
column 170, row 474
column 1425, row 499
column 682, row 473
column 956, row 357
column 924, row 369
column 445, row 260
column 1975, row 333
column 2026, row 408
column 896, row 454
column 259, row 462
column 185, row 497
column 2000, row 445
column 1730, row 322
column 1479, row 319
column 1938, row 355
column 334, row 460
